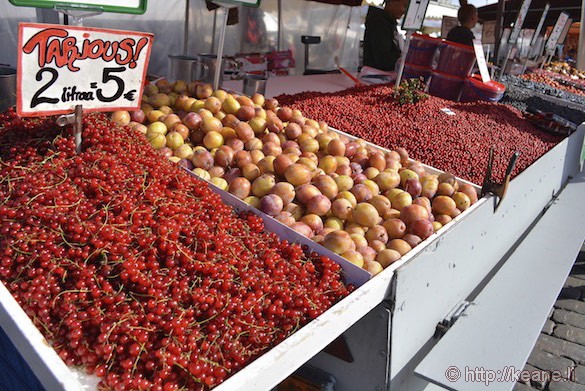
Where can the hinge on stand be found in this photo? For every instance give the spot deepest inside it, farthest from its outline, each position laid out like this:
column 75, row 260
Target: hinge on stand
column 451, row 318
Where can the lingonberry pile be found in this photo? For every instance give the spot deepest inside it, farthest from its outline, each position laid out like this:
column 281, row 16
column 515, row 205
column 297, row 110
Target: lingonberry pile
column 556, row 81
column 136, row 271
column 457, row 143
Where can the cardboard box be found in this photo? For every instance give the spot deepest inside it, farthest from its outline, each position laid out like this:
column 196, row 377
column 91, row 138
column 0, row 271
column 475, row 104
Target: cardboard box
column 280, row 60
column 240, row 64
column 279, row 72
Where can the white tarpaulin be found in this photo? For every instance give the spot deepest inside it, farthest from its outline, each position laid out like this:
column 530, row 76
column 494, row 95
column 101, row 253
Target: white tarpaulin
column 338, row 26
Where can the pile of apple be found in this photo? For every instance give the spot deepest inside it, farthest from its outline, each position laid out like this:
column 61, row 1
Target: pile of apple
column 369, row 205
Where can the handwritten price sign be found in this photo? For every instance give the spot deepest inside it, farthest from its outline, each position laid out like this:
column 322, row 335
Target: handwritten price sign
column 415, row 15
column 447, row 24
column 60, row 67
column 519, row 22
column 488, row 33
column 556, row 33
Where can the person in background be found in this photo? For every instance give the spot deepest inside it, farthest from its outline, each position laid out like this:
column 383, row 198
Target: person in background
column 382, row 42
column 467, row 16
column 571, row 55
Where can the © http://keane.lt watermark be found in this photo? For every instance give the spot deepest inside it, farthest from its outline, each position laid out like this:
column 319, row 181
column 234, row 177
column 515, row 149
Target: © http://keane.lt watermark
column 507, row 374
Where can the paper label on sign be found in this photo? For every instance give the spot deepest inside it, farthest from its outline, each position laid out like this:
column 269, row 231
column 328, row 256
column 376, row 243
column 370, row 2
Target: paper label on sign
column 519, row 21
column 488, row 33
column 481, row 63
column 447, row 24
column 447, row 111
column 551, row 44
column 565, row 31
column 60, row 67
column 415, row 15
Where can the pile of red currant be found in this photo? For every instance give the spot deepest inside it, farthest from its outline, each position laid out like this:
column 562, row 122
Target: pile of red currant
column 136, row 271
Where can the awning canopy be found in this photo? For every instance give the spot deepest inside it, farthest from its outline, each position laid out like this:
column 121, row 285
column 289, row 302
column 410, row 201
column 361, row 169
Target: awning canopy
column 572, row 7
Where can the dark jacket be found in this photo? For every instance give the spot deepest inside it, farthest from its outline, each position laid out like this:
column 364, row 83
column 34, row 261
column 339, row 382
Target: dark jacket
column 461, row 35
column 381, row 49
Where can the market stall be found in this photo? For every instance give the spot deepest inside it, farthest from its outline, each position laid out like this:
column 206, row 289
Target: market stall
column 505, row 13
column 119, row 266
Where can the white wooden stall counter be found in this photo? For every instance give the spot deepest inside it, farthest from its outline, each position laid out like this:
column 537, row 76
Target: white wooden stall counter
column 275, row 86
column 389, row 322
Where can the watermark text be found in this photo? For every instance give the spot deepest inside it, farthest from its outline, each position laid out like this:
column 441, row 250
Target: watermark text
column 507, row 374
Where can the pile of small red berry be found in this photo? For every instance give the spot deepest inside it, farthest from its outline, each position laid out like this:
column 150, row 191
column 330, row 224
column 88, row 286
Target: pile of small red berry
column 136, row 271
column 557, row 81
column 457, row 141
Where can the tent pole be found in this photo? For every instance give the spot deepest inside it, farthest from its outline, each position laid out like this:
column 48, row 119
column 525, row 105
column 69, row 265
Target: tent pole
column 186, row 29
column 345, row 36
column 581, row 48
column 219, row 68
column 499, row 29
column 213, row 33
column 278, row 37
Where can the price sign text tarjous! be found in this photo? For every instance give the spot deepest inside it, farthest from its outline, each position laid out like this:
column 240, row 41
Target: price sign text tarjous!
column 60, row 67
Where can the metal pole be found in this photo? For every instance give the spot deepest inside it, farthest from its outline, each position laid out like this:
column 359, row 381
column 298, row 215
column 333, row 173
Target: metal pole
column 218, row 68
column 581, row 48
column 78, row 126
column 499, row 29
column 534, row 39
column 525, row 64
column 75, row 119
column 503, row 70
column 213, row 32
column 546, row 60
column 345, row 37
column 403, row 58
column 186, row 29
column 278, row 37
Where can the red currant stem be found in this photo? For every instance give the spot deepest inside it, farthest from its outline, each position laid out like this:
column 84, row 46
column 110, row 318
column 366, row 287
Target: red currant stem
column 19, row 251
column 56, row 184
column 118, row 323
column 65, row 206
column 110, row 361
column 135, row 365
column 48, row 333
column 68, row 291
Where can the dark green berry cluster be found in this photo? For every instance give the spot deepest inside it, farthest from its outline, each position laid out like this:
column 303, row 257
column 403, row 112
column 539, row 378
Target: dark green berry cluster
column 410, row 91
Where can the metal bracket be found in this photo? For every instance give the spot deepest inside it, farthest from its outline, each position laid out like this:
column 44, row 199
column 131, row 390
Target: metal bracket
column 75, row 119
column 498, row 189
column 78, row 12
column 451, row 318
